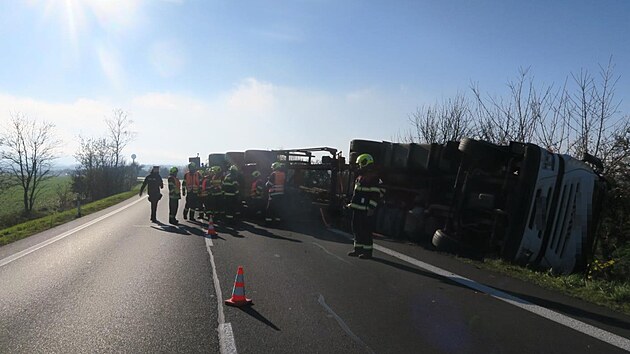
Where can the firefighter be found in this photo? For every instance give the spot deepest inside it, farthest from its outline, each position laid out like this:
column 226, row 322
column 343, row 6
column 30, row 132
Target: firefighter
column 190, row 189
column 231, row 193
column 365, row 199
column 204, row 194
column 174, row 194
column 154, row 183
column 257, row 193
column 215, row 192
column 275, row 183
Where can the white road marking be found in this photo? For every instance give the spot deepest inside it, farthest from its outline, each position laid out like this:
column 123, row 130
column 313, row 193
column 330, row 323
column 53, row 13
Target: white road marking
column 595, row 332
column 342, row 324
column 34, row 248
column 227, row 344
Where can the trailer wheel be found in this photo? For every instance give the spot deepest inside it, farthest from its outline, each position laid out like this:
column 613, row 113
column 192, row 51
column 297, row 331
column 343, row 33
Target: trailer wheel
column 380, row 151
column 443, row 242
column 481, row 150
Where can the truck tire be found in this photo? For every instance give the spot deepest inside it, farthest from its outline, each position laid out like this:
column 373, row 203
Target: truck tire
column 235, row 158
column 400, row 156
column 481, row 150
column 262, row 158
column 443, row 242
column 419, row 157
column 380, row 151
column 216, row 160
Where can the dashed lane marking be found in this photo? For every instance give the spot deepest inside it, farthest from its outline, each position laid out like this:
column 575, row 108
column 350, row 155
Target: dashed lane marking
column 595, row 332
column 227, row 345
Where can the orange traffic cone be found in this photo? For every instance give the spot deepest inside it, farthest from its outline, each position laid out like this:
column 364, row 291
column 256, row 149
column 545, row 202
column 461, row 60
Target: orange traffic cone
column 238, row 292
column 211, row 230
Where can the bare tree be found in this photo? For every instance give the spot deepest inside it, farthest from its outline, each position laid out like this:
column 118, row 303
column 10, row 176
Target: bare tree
column 119, row 134
column 517, row 117
column 442, row 122
column 553, row 125
column 593, row 106
column 28, row 150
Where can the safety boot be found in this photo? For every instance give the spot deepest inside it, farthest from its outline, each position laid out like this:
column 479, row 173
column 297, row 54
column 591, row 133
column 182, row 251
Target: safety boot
column 355, row 253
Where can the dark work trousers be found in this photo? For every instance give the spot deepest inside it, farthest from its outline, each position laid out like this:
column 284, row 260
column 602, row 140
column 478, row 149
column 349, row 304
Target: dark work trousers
column 274, row 208
column 216, row 206
column 192, row 200
column 173, row 205
column 362, row 227
column 231, row 206
column 154, row 203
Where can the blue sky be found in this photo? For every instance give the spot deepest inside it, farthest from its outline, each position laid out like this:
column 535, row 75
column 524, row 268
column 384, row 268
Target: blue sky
column 201, row 76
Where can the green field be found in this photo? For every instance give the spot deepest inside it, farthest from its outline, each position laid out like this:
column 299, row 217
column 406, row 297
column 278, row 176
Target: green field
column 47, row 200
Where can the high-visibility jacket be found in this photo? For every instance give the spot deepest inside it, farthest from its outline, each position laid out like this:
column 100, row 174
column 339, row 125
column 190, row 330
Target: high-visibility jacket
column 257, row 189
column 204, row 190
column 230, row 185
column 276, row 183
column 367, row 192
column 192, row 181
column 174, row 188
column 216, row 188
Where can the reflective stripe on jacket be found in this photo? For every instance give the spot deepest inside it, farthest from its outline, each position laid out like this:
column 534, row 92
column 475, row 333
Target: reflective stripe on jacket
column 367, row 192
column 204, row 190
column 277, row 180
column 174, row 188
column 230, row 185
column 191, row 181
column 215, row 185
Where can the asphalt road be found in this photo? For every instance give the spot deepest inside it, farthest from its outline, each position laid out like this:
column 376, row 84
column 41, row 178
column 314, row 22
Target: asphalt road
column 115, row 282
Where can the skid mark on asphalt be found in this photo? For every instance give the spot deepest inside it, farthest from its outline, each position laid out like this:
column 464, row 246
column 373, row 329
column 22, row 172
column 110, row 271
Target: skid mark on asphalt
column 595, row 332
column 332, row 254
column 342, row 324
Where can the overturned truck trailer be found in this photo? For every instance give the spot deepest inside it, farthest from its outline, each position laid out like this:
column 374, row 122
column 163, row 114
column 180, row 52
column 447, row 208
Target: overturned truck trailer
column 520, row 201
column 312, row 174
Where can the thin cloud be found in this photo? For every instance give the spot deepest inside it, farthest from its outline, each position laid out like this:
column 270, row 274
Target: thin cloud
column 167, row 58
column 110, row 65
column 252, row 114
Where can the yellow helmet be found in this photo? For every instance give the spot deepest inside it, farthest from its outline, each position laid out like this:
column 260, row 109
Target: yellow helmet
column 364, row 160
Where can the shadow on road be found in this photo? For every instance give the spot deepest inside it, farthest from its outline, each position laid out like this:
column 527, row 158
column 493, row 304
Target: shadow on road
column 418, row 271
column 231, row 230
column 264, row 232
column 170, row 228
column 255, row 314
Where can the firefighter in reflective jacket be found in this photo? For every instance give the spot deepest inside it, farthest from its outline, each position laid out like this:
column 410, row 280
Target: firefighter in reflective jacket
column 215, row 192
column 256, row 194
column 275, row 183
column 191, row 185
column 174, row 195
column 231, row 189
column 204, row 194
column 365, row 199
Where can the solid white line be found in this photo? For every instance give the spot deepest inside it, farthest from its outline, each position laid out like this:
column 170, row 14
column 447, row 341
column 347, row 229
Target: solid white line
column 226, row 339
column 34, row 248
column 342, row 324
column 227, row 344
column 595, row 332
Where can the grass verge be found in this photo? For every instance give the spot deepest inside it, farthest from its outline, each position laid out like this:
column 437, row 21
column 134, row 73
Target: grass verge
column 31, row 227
column 614, row 295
